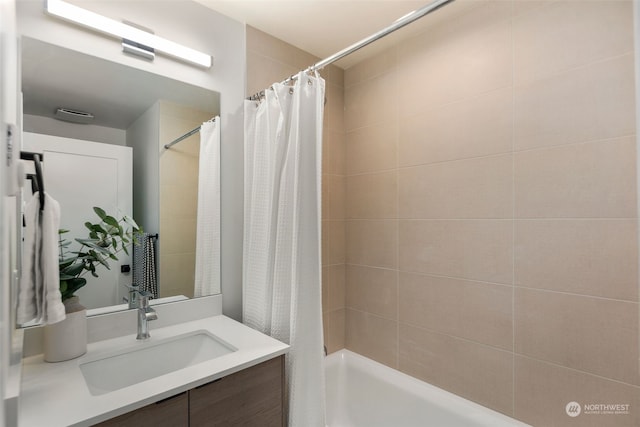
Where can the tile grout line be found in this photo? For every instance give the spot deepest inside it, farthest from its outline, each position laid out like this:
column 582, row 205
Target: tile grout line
column 419, row 273
column 573, row 69
column 514, row 86
column 541, row 219
column 442, row 333
column 580, row 371
column 397, row 201
column 343, row 170
column 512, row 151
column 421, row 33
column 496, row 348
column 341, row 147
column 328, row 166
column 636, row 37
column 513, row 222
column 279, row 61
column 486, row 282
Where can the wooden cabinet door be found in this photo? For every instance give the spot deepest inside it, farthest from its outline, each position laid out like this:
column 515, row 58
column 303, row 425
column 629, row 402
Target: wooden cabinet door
column 171, row 412
column 252, row 397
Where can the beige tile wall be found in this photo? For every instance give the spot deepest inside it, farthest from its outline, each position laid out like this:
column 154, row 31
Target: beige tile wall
column 491, row 208
column 178, row 198
column 271, row 60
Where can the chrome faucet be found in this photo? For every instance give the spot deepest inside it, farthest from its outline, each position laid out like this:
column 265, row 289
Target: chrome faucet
column 145, row 314
column 132, row 299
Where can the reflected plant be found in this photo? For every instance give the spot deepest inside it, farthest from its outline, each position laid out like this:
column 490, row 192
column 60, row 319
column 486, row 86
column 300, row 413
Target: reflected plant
column 107, row 238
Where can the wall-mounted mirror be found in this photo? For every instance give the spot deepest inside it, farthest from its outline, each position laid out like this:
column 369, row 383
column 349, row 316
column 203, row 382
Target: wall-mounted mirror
column 117, row 161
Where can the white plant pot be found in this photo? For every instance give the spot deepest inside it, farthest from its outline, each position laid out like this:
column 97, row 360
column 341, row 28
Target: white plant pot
column 67, row 340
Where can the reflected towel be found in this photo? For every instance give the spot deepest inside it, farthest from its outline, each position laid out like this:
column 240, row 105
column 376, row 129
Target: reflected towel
column 39, row 297
column 144, row 265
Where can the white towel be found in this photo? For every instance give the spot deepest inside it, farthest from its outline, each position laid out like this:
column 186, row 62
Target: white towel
column 39, row 297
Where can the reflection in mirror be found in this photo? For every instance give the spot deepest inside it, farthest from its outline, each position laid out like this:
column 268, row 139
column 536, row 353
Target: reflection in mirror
column 117, row 161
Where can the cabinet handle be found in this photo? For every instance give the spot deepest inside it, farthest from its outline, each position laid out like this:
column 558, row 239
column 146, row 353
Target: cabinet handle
column 204, row 385
column 169, row 398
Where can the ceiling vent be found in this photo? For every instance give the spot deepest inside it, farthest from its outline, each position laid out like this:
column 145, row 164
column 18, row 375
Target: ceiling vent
column 74, row 116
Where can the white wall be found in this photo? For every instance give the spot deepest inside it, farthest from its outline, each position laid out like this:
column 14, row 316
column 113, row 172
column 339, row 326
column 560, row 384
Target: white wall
column 143, row 137
column 49, row 126
column 9, row 337
column 196, row 26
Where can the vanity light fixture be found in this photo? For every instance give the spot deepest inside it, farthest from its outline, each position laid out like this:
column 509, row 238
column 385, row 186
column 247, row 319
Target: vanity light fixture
column 136, row 49
column 120, row 30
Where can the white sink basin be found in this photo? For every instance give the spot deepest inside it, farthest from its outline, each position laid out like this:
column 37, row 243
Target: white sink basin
column 150, row 359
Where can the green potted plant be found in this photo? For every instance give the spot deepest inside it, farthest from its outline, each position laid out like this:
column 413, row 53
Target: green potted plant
column 106, row 238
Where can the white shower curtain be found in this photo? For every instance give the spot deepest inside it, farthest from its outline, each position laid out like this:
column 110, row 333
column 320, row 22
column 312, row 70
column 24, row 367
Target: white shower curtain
column 282, row 234
column 207, row 280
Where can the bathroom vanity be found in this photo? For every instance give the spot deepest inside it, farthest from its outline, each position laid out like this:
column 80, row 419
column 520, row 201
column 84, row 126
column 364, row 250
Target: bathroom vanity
column 208, row 372
column 251, row 397
column 35, row 393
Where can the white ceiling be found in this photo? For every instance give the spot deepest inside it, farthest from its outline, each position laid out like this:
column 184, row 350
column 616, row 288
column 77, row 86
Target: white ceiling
column 324, row 27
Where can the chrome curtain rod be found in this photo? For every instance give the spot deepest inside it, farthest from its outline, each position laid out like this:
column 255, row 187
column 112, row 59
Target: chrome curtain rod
column 397, row 24
column 185, row 136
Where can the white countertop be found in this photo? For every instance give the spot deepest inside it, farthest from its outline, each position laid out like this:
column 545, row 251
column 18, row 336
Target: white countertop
column 55, row 394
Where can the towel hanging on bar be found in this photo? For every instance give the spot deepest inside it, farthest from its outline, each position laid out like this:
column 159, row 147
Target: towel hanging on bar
column 144, row 264
column 38, row 184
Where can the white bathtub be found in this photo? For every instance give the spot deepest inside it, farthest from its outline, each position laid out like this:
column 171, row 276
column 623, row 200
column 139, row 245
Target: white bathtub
column 364, row 393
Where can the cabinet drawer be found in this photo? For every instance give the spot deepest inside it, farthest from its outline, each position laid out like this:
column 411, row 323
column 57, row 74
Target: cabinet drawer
column 251, row 397
column 171, row 412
